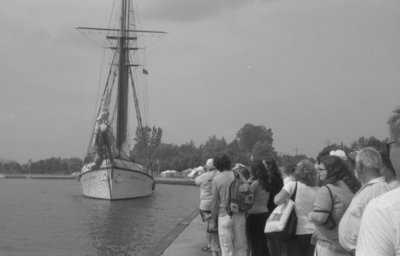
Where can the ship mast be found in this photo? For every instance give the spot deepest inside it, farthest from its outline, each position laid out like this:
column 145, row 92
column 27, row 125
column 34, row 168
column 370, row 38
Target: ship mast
column 122, row 94
column 124, row 34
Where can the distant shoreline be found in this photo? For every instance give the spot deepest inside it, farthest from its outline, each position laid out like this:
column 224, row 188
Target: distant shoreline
column 37, row 176
column 174, row 181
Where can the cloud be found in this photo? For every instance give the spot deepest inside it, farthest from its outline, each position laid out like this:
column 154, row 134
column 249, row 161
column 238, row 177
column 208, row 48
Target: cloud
column 191, row 10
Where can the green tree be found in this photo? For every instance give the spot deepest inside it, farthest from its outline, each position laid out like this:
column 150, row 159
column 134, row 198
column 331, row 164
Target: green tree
column 250, row 134
column 213, row 146
column 75, row 164
column 147, row 140
column 363, row 142
column 263, row 150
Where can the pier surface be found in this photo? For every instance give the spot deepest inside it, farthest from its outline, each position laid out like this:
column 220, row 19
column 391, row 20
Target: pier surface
column 190, row 241
column 187, row 238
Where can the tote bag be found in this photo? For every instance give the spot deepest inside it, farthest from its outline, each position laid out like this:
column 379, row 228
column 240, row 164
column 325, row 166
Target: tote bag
column 282, row 222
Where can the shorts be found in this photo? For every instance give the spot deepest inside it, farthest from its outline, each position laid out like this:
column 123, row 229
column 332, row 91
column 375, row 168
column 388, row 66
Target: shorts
column 206, row 217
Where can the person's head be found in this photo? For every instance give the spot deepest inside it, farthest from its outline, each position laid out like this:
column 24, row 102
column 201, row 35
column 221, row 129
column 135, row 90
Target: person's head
column 394, row 140
column 288, row 170
column 387, row 170
column 222, row 162
column 305, row 173
column 336, row 169
column 209, row 166
column 271, row 165
column 260, row 173
column 368, row 164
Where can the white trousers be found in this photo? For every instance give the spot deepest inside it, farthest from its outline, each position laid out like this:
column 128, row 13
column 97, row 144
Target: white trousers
column 232, row 235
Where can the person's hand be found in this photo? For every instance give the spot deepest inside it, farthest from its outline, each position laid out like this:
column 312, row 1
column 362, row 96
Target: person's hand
column 212, row 226
column 207, row 216
column 251, row 179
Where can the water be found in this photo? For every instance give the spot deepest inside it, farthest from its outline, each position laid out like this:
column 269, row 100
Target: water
column 51, row 218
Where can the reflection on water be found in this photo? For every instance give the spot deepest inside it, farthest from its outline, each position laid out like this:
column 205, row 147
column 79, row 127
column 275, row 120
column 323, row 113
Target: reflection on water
column 50, row 217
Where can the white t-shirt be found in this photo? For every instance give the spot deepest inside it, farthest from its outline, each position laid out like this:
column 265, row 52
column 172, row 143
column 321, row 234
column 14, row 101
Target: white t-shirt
column 349, row 225
column 380, row 226
column 304, row 201
column 204, row 181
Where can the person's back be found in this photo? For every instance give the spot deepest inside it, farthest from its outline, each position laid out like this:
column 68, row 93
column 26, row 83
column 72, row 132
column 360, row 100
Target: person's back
column 305, row 197
column 368, row 168
column 231, row 229
column 204, row 180
column 261, row 197
column 380, row 224
column 342, row 197
column 258, row 214
column 303, row 191
column 222, row 182
column 331, row 202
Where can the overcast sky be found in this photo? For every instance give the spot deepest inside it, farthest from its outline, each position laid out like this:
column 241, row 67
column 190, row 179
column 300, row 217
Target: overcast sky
column 310, row 70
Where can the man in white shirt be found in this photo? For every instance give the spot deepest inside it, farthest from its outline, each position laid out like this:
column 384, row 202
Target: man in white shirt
column 380, row 224
column 368, row 166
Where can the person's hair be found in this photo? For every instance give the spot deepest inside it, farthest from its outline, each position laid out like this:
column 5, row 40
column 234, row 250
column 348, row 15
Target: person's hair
column 289, row 169
column 271, row 165
column 275, row 179
column 369, row 158
column 325, row 152
column 260, row 173
column 338, row 170
column 222, row 162
column 394, row 124
column 306, row 173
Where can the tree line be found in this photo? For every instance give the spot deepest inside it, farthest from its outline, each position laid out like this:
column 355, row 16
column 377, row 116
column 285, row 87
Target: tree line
column 47, row 166
column 252, row 142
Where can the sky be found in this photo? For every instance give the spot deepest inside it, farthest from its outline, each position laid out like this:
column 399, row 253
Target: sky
column 313, row 71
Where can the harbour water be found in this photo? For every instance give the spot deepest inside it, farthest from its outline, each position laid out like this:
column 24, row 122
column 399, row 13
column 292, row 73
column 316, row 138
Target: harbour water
column 51, row 218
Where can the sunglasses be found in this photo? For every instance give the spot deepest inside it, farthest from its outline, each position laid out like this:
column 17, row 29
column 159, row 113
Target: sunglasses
column 388, row 145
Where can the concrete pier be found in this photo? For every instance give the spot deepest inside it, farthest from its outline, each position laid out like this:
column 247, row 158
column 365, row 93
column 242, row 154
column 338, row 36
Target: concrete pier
column 186, row 239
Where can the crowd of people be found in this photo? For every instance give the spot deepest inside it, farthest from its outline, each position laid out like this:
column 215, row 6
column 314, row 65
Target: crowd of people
column 345, row 205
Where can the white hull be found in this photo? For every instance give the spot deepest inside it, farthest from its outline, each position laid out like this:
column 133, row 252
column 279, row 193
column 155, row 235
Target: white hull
column 122, row 180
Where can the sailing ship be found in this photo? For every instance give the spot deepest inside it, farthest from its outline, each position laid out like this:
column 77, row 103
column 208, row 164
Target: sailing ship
column 111, row 172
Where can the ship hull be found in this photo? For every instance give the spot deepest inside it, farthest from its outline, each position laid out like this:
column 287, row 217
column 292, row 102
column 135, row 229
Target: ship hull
column 121, row 180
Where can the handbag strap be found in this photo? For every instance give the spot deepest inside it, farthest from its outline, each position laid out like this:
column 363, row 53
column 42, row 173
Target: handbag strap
column 293, row 197
column 333, row 202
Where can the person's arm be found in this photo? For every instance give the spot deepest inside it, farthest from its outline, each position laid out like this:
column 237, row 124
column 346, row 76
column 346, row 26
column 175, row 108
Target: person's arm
column 322, row 207
column 254, row 185
column 377, row 234
column 214, row 202
column 285, row 193
column 201, row 178
column 281, row 197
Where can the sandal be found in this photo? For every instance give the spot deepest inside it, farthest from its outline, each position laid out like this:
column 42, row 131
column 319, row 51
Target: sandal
column 206, row 249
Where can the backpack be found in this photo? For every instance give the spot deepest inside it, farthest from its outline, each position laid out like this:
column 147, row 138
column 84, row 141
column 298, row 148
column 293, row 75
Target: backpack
column 241, row 199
